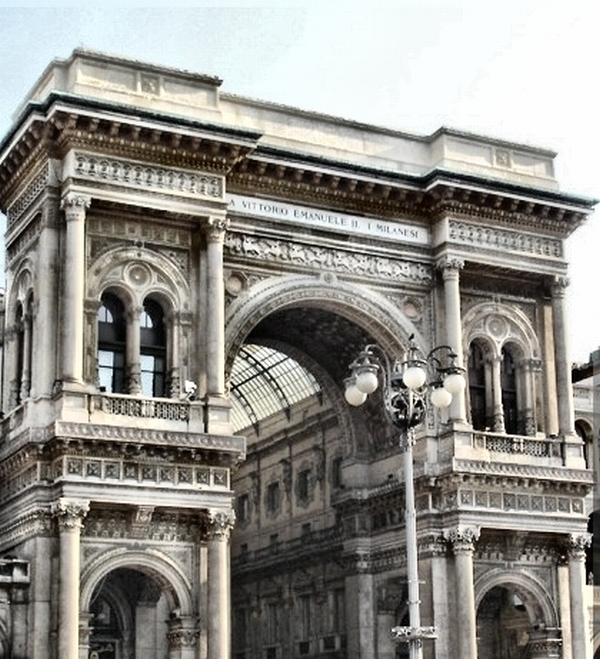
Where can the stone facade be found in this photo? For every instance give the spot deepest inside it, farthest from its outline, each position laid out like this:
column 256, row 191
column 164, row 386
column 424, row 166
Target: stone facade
column 156, row 227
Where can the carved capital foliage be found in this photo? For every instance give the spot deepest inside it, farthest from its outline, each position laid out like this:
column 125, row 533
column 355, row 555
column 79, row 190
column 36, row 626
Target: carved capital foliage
column 70, row 513
column 219, row 524
column 216, row 228
column 183, row 633
column 462, row 539
column 75, row 206
column 577, row 544
column 559, row 286
column 450, row 265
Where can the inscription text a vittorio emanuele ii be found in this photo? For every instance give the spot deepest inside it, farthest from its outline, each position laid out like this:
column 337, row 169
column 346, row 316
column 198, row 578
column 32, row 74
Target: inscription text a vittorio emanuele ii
column 283, row 212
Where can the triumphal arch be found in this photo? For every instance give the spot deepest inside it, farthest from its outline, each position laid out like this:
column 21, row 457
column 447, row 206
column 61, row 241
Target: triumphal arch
column 189, row 276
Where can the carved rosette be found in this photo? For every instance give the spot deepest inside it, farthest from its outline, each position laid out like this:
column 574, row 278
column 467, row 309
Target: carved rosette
column 577, row 545
column 462, row 539
column 75, row 206
column 216, row 227
column 70, row 513
column 219, row 524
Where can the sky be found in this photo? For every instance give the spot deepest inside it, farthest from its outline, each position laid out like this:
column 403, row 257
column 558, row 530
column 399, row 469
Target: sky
column 526, row 71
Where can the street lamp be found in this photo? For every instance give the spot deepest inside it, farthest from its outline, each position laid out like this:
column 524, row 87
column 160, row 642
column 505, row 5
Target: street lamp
column 408, row 387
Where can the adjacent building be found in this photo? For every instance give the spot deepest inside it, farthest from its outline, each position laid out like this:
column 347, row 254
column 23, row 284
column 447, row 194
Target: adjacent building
column 189, row 276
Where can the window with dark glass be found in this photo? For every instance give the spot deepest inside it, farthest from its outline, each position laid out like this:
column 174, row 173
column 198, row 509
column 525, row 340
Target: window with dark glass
column 477, row 393
column 304, row 484
column 243, row 508
column 152, row 349
column 509, row 392
column 273, row 498
column 112, row 333
column 20, row 330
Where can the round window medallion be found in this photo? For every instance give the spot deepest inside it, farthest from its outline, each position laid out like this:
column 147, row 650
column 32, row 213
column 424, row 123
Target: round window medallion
column 138, row 274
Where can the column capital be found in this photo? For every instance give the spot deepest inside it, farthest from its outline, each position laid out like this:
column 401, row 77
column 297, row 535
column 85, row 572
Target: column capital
column 462, row 538
column 183, row 633
column 559, row 286
column 450, row 265
column 215, row 229
column 577, row 544
column 75, row 206
column 70, row 513
column 219, row 524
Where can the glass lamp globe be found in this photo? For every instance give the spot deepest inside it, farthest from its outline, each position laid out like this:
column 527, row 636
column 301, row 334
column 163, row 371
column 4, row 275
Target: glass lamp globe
column 414, row 377
column 366, row 381
column 441, row 397
column 454, row 383
column 354, row 396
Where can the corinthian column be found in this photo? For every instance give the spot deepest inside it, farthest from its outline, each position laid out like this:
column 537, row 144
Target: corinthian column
column 581, row 641
column 74, row 207
column 451, row 268
column 215, row 327
column 463, row 544
column 69, row 514
column 562, row 359
column 220, row 523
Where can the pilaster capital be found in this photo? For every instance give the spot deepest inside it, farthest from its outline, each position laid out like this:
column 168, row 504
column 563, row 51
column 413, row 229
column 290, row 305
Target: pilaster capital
column 183, row 633
column 70, row 513
column 462, row 538
column 559, row 286
column 219, row 524
column 450, row 265
column 216, row 228
column 75, row 206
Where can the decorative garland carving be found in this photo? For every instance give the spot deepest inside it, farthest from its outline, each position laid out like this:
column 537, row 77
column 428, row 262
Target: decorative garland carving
column 148, row 177
column 504, row 240
column 323, row 258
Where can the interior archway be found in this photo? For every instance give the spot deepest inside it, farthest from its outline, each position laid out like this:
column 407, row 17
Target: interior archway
column 129, row 616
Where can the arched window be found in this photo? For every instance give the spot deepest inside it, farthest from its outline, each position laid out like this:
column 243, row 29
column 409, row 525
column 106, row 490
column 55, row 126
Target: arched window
column 508, row 380
column 152, row 349
column 477, row 392
column 20, row 354
column 112, row 336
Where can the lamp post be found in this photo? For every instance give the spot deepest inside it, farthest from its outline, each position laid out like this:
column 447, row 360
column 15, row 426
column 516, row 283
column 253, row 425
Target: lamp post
column 408, row 387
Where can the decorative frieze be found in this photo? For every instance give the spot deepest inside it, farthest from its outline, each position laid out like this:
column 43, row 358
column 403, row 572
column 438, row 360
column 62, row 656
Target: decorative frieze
column 504, row 240
column 518, row 501
column 24, row 201
column 128, row 471
column 324, row 258
column 149, row 178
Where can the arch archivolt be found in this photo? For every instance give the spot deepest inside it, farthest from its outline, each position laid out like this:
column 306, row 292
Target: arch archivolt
column 534, row 594
column 495, row 325
column 21, row 291
column 137, row 273
column 366, row 307
column 151, row 562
